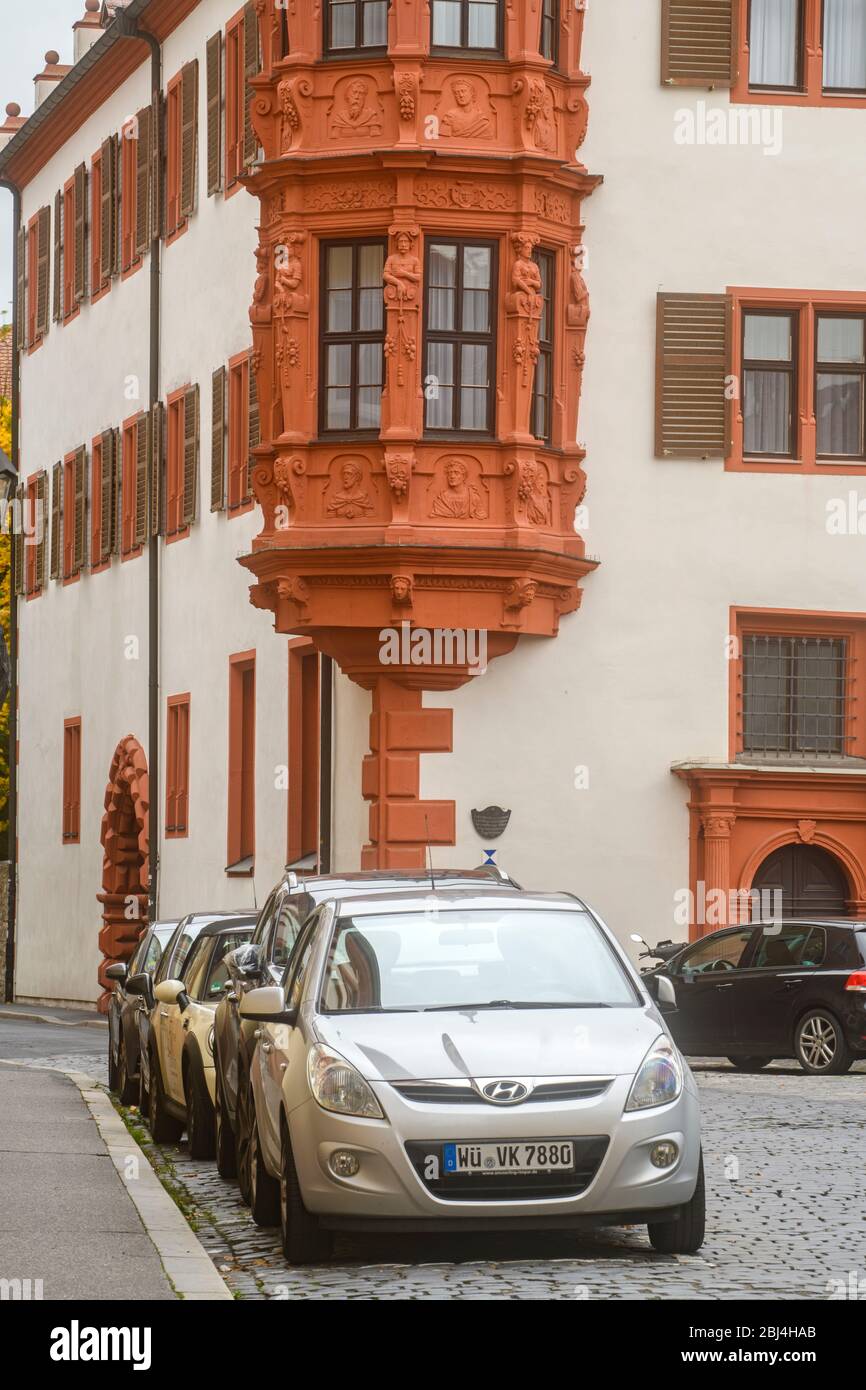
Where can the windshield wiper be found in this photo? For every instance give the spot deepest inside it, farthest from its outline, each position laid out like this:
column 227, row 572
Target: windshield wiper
column 510, row 1004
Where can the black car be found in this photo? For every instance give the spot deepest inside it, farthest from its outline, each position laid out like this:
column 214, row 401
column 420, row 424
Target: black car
column 170, row 965
column 263, row 962
column 784, row 989
column 124, row 1008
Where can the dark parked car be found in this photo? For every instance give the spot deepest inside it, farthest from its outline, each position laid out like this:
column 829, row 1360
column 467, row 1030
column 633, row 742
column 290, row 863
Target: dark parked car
column 263, row 962
column 785, row 989
column 170, row 965
column 180, row 1062
column 124, row 1008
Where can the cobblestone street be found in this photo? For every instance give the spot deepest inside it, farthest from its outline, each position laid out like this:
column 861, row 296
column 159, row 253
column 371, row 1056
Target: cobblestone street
column 784, row 1163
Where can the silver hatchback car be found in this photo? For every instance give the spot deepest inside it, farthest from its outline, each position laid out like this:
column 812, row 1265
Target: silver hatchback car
column 451, row 1061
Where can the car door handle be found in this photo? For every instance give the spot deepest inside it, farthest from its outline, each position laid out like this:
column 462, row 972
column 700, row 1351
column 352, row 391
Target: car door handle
column 793, row 984
column 163, row 1013
column 730, row 986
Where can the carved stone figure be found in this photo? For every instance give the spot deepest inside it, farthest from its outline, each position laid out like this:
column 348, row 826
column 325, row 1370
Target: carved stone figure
column 540, row 114
column 402, row 273
column 351, row 500
column 289, row 276
column 533, row 492
column 404, row 86
column 360, row 113
column 525, row 297
column 465, row 118
column 459, row 498
column 578, row 308
column 402, row 586
column 259, row 309
column 399, row 470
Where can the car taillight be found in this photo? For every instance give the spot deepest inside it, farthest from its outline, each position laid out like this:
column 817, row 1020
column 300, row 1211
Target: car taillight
column 857, row 981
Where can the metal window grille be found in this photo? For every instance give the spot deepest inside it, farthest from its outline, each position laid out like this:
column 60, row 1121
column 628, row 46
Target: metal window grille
column 794, row 696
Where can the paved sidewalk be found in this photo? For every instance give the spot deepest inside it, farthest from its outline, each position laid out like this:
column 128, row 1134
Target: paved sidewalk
column 47, row 1013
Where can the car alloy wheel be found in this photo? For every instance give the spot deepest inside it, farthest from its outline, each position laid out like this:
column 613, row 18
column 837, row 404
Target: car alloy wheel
column 820, row 1044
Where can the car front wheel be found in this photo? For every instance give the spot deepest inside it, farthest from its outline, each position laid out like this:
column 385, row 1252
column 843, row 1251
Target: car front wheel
column 112, row 1063
column 820, row 1044
column 126, row 1090
column 164, row 1128
column 684, row 1235
column 304, row 1240
column 199, row 1112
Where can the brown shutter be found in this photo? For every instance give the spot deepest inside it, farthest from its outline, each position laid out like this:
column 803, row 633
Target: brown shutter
column 142, row 181
column 56, row 520
column 142, row 453
column 190, row 454
column 106, row 496
column 57, row 308
column 18, row 543
column 214, row 113
column 41, row 490
column 255, row 434
column 699, row 47
column 79, row 535
column 218, row 441
column 43, row 271
column 80, row 205
column 693, row 348
column 108, row 210
column 251, row 68
column 157, row 468
column 116, row 492
column 21, row 289
column 188, row 137
column 157, row 185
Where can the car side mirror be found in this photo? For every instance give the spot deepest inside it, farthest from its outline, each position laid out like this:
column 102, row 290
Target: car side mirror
column 267, row 1005
column 665, row 995
column 117, row 971
column 138, row 984
column 172, row 992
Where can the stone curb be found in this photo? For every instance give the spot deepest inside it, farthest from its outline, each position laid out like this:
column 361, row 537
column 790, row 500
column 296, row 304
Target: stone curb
column 58, row 1022
column 184, row 1258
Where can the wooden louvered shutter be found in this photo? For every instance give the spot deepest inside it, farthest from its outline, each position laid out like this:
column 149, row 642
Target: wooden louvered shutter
column 56, row 520
column 693, row 352
column 157, row 469
column 188, row 137
column 142, row 452
column 116, row 492
column 79, row 520
column 21, row 289
column 699, row 46
column 144, row 159
column 251, row 68
column 106, row 491
column 218, row 441
column 43, row 272
column 255, row 433
column 18, row 544
column 108, row 209
column 157, row 145
column 41, row 489
column 190, row 454
column 57, row 307
column 214, row 113
column 80, row 248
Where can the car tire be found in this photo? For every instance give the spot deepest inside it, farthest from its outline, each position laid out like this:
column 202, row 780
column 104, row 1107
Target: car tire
column 750, row 1063
column 143, row 1095
column 199, row 1112
column 304, row 1240
column 264, row 1190
column 112, row 1063
column 684, row 1235
column 127, row 1090
column 242, row 1136
column 164, row 1128
column 224, row 1136
column 820, row 1046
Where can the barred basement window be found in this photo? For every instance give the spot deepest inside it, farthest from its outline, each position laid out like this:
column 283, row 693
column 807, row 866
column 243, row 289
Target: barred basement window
column 356, row 25
column 794, row 696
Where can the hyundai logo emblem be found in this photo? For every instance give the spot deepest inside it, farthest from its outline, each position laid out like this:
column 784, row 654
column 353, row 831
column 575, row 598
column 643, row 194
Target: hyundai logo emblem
column 504, row 1092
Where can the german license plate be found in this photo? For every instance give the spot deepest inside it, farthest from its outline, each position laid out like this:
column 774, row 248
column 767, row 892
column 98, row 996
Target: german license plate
column 551, row 1156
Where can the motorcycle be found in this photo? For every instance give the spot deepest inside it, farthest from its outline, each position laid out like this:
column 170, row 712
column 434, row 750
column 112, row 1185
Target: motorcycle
column 663, row 952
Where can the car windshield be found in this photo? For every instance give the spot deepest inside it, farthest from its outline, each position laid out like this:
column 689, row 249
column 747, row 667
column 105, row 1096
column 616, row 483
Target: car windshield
column 472, row 959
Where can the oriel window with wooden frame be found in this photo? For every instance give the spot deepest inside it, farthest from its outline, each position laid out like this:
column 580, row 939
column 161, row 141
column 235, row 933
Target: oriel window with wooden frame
column 548, row 44
column 352, row 316
column 356, row 26
column 460, row 338
column 466, row 25
column 542, row 388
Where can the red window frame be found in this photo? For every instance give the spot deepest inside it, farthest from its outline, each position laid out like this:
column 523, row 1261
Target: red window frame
column 70, row 308
column 96, row 506
column 129, row 455
column 235, row 95
column 175, row 224
column 32, row 282
column 238, row 499
column 241, row 829
column 177, row 767
column 810, row 90
column 71, row 821
column 98, row 286
column 32, row 542
column 129, row 260
column 67, row 550
column 175, row 527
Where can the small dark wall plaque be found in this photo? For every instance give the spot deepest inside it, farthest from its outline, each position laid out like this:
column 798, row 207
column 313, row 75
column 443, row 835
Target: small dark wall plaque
column 490, row 822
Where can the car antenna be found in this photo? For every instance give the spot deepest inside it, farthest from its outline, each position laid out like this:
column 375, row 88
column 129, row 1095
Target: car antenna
column 429, row 853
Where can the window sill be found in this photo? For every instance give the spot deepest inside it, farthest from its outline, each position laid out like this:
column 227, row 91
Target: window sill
column 179, row 535
column 243, row 868
column 239, row 509
column 813, row 467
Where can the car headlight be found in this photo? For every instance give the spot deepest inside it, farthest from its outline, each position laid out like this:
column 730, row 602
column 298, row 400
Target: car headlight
column 659, row 1078
column 336, row 1085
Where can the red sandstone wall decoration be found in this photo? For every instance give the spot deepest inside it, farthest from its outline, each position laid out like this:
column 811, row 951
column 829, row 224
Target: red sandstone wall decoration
column 125, row 866
column 443, row 532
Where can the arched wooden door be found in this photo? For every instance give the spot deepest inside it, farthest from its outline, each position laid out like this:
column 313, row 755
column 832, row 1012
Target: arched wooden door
column 811, row 881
